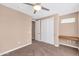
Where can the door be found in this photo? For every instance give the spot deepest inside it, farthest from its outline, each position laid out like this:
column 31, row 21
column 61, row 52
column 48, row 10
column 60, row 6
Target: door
column 47, row 30
column 37, row 30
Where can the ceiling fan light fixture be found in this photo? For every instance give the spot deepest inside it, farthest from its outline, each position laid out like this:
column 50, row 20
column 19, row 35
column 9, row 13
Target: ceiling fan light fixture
column 37, row 7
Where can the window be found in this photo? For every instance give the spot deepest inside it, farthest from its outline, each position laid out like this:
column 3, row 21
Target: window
column 68, row 20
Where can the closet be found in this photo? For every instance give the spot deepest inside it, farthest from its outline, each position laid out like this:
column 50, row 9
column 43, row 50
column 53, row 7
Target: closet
column 45, row 30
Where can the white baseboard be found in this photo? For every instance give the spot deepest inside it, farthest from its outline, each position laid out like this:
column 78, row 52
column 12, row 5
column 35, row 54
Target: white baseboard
column 56, row 45
column 69, row 45
column 14, row 49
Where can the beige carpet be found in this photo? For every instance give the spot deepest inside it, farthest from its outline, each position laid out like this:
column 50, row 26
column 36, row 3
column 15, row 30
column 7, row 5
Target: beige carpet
column 43, row 49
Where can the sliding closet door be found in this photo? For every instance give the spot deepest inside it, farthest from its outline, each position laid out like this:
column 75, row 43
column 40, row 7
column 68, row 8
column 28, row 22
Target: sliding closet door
column 47, row 30
column 37, row 30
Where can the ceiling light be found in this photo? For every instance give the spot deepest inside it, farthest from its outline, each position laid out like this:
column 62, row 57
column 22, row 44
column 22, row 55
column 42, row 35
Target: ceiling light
column 37, row 7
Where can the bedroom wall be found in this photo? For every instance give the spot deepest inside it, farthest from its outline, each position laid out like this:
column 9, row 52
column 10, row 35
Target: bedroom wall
column 15, row 29
column 69, row 28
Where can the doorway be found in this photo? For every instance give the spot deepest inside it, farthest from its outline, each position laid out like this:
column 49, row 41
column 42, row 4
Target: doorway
column 33, row 30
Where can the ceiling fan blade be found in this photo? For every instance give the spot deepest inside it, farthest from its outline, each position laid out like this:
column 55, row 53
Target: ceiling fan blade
column 29, row 4
column 35, row 11
column 45, row 8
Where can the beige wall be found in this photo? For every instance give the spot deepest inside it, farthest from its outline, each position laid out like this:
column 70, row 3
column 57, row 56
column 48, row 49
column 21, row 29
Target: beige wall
column 69, row 28
column 15, row 29
column 56, row 29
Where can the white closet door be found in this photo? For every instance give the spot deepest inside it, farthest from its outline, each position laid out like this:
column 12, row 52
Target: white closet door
column 37, row 30
column 47, row 30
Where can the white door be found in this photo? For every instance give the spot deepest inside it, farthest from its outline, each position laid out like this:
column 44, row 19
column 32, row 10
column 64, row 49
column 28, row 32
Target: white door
column 37, row 30
column 47, row 30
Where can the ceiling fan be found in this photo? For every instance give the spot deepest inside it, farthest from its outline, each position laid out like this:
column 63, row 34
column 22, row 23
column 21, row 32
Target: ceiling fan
column 37, row 7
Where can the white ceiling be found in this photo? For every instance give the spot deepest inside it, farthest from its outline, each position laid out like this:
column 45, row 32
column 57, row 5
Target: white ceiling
column 55, row 8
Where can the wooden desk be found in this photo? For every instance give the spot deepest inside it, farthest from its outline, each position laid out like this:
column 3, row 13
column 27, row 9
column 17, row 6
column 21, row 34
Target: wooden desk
column 76, row 38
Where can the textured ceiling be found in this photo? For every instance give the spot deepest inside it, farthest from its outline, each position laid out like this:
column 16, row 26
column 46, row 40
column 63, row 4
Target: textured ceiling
column 55, row 8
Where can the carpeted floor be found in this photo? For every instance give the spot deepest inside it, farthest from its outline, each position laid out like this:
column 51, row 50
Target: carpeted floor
column 43, row 49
